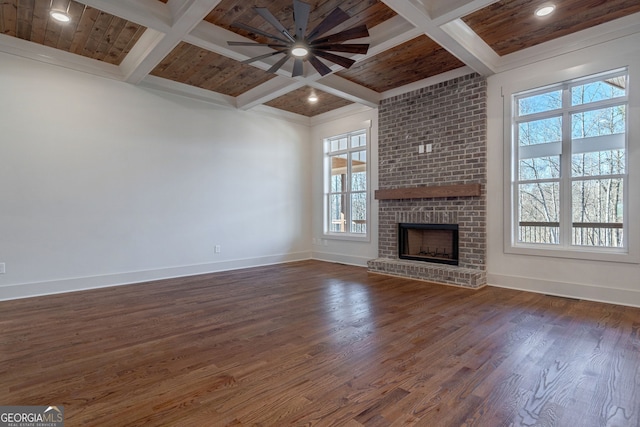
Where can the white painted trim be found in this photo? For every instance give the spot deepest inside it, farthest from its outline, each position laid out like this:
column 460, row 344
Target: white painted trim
column 265, row 110
column 609, row 31
column 430, row 81
column 356, row 261
column 603, row 294
column 60, row 58
column 339, row 113
column 192, row 92
column 27, row 290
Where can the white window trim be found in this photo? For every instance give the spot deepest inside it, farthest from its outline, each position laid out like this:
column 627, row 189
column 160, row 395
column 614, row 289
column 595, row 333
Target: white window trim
column 630, row 254
column 326, row 233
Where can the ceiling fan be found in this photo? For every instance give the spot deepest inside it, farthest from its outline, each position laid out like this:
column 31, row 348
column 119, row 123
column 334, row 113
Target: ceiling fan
column 306, row 47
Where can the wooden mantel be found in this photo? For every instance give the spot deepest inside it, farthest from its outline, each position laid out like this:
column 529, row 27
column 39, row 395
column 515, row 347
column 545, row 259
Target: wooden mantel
column 429, row 192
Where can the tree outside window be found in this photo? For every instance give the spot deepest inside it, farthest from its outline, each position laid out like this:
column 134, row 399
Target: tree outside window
column 570, row 163
column 346, row 198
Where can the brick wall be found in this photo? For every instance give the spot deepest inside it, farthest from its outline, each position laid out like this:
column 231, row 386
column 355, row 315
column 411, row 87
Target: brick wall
column 451, row 116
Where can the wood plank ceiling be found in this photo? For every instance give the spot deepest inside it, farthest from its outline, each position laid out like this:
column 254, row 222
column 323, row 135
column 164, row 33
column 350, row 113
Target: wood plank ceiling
column 182, row 46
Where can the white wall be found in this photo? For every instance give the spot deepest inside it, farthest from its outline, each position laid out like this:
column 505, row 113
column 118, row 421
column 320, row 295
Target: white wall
column 336, row 249
column 617, row 282
column 102, row 183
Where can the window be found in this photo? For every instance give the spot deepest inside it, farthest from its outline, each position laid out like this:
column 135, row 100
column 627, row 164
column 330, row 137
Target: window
column 570, row 165
column 346, row 183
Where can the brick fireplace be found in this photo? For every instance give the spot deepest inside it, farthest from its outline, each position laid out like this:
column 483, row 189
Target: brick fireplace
column 441, row 185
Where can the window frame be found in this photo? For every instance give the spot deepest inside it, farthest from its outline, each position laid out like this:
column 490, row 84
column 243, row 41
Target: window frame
column 565, row 248
column 327, row 154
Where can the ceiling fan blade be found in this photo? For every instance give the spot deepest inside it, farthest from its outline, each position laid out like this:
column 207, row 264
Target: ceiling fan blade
column 350, row 34
column 301, row 12
column 257, row 31
column 255, row 44
column 298, row 67
column 268, row 16
column 258, row 58
column 332, row 20
column 340, row 60
column 351, row 48
column 278, row 64
column 318, row 65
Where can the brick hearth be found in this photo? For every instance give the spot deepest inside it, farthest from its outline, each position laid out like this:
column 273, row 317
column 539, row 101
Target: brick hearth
column 452, row 117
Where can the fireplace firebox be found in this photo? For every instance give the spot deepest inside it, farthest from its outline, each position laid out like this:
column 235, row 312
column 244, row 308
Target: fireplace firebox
column 428, row 242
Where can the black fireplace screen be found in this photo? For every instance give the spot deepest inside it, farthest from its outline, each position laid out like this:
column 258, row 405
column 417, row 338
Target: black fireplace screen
column 428, row 242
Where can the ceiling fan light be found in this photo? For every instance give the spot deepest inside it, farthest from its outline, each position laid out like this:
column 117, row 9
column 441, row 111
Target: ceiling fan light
column 299, row 51
column 545, row 10
column 60, row 15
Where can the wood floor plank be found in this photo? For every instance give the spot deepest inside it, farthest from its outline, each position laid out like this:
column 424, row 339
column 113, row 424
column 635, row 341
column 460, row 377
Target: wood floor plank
column 319, row 344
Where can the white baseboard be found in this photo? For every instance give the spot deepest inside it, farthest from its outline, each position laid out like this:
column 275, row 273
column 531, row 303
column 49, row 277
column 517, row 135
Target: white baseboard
column 610, row 295
column 26, row 290
column 340, row 258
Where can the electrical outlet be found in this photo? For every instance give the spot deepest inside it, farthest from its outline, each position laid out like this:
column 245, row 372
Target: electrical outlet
column 429, row 148
column 421, row 149
column 2, row 268
column 217, row 249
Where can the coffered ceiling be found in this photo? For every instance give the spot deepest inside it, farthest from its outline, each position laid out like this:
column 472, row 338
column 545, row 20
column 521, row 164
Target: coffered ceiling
column 181, row 46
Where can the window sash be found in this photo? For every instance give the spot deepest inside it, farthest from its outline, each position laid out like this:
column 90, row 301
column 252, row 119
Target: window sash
column 565, row 149
column 352, row 220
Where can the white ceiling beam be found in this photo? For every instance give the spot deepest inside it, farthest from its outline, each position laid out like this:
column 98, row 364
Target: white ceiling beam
column 419, row 17
column 389, row 34
column 382, row 37
column 214, row 38
column 154, row 48
column 148, row 13
column 267, row 91
column 346, row 89
column 472, row 42
column 443, row 11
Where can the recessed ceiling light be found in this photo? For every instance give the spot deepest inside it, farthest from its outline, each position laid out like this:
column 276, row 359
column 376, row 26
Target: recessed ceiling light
column 299, row 50
column 545, row 9
column 313, row 98
column 60, row 16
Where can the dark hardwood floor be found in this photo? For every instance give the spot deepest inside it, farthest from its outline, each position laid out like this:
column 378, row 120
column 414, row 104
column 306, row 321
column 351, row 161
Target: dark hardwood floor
column 312, row 343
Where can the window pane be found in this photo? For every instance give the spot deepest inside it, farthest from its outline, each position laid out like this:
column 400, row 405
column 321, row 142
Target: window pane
column 336, row 213
column 610, row 88
column 359, row 171
column 598, row 212
column 339, row 144
column 338, row 173
column 598, row 163
column 539, row 103
column 597, row 200
column 359, row 140
column 540, row 131
column 539, row 168
column 359, row 213
column 539, row 209
column 606, row 121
